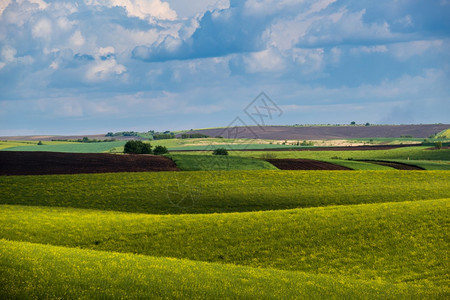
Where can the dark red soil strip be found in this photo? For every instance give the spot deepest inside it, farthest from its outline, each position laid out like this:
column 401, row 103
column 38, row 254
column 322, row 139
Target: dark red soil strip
column 395, row 165
column 45, row 163
column 304, row 164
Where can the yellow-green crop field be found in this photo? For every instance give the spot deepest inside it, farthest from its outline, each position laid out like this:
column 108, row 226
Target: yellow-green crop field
column 266, row 234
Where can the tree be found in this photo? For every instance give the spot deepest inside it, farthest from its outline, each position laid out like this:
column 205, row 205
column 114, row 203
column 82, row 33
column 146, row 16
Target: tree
column 367, row 124
column 137, row 147
column 160, row 150
column 438, row 145
column 220, row 151
column 40, row 143
column 353, row 123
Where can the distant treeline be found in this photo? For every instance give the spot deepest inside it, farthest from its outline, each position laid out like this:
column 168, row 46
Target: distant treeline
column 84, row 140
column 155, row 135
column 193, row 136
column 123, row 133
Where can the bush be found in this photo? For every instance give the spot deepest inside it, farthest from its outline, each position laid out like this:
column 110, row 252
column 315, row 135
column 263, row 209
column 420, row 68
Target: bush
column 268, row 155
column 220, row 151
column 438, row 145
column 137, row 147
column 160, row 150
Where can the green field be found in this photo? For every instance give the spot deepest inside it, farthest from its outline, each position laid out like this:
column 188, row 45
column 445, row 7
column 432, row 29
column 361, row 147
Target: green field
column 8, row 145
column 59, row 272
column 395, row 242
column 218, row 162
column 69, row 147
column 390, row 242
column 217, row 191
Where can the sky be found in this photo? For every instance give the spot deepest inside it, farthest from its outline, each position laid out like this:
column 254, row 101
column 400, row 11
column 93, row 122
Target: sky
column 95, row 66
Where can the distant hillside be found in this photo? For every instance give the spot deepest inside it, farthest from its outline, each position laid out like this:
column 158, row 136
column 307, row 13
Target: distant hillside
column 282, row 133
column 326, row 132
column 68, row 137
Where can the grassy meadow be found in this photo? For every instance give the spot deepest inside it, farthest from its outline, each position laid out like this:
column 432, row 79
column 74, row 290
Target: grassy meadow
column 222, row 191
column 33, row 145
column 99, row 274
column 72, row 147
column 219, row 163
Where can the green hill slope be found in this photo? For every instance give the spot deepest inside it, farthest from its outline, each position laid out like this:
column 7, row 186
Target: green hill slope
column 216, row 191
column 397, row 242
column 43, row 271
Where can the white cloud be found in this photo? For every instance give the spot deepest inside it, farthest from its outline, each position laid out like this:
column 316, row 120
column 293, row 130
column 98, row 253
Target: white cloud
column 65, row 24
column 407, row 50
column 309, row 60
column 8, row 54
column 102, row 70
column 310, row 28
column 77, row 39
column 369, row 49
column 42, row 29
column 3, row 5
column 102, row 51
column 143, row 9
column 264, row 61
column 40, row 3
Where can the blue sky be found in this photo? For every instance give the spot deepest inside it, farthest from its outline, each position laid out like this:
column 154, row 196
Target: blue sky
column 92, row 66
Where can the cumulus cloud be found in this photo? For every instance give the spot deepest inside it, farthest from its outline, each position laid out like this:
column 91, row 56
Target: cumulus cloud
column 8, row 56
column 143, row 9
column 407, row 50
column 369, row 49
column 103, row 69
column 77, row 39
column 42, row 29
column 4, row 4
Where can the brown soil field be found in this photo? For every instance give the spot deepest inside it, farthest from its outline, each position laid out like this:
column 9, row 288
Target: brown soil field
column 45, row 163
column 325, row 132
column 304, row 164
column 395, row 165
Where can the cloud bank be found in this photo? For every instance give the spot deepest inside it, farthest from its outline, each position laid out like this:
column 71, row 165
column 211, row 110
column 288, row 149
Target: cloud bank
column 93, row 66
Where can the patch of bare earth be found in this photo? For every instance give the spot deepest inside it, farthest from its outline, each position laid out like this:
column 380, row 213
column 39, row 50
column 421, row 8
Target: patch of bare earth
column 46, row 163
column 304, row 164
column 395, row 165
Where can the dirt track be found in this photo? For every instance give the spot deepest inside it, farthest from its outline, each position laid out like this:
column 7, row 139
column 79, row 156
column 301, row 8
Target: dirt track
column 304, row 164
column 44, row 163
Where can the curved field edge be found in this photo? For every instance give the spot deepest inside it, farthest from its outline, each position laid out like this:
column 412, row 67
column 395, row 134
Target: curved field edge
column 42, row 271
column 427, row 165
column 396, row 242
column 357, row 165
column 414, row 153
column 217, row 191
